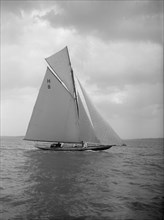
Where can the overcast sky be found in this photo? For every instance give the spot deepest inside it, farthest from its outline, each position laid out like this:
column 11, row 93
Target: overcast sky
column 115, row 49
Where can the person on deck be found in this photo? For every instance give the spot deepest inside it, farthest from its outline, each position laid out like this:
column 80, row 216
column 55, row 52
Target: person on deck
column 56, row 145
column 84, row 144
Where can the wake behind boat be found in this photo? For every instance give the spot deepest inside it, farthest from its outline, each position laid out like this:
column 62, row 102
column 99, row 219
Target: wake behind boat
column 64, row 113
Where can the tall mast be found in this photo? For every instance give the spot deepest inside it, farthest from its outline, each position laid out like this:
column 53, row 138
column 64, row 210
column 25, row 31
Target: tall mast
column 74, row 87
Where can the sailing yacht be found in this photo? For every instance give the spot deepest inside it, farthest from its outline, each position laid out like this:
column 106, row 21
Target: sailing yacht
column 64, row 116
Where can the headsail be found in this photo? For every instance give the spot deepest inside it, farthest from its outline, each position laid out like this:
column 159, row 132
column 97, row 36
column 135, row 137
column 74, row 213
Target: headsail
column 103, row 131
column 86, row 129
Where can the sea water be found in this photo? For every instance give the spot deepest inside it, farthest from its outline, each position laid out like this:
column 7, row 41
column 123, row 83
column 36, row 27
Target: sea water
column 124, row 182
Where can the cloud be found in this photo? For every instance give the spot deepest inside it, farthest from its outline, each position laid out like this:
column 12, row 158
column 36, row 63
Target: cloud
column 130, row 99
column 18, row 7
column 122, row 63
column 135, row 111
column 110, row 20
column 126, row 20
column 16, row 109
column 23, row 54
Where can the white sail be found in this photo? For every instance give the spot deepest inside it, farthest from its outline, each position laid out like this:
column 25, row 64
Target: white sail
column 54, row 116
column 63, row 111
column 60, row 63
column 105, row 134
column 86, row 130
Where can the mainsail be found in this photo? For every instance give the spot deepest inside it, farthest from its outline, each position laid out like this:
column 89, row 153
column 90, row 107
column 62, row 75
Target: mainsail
column 63, row 111
column 54, row 115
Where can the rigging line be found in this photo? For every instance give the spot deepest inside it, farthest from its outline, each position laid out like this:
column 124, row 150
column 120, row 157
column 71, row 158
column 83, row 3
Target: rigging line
column 76, row 99
column 73, row 81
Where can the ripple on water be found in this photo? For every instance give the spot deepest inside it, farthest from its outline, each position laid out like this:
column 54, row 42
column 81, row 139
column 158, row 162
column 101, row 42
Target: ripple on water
column 120, row 183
